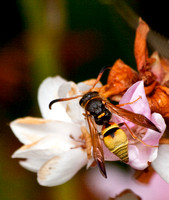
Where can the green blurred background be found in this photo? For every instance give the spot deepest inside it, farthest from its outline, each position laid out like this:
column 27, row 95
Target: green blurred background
column 72, row 38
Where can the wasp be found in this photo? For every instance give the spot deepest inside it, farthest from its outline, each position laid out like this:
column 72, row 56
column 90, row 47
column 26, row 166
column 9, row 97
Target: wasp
column 99, row 111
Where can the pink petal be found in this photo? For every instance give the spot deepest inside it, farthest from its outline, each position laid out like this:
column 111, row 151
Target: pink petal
column 152, row 137
column 120, row 179
column 140, row 154
column 141, row 106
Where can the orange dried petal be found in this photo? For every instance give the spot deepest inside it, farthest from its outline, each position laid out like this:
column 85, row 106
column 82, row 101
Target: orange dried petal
column 165, row 65
column 164, row 141
column 140, row 47
column 150, row 88
column 120, row 78
column 144, row 176
column 159, row 101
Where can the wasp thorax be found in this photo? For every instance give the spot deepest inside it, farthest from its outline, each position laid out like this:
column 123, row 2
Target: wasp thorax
column 103, row 117
column 93, row 103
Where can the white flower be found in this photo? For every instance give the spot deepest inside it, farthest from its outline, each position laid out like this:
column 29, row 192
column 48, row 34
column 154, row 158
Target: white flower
column 51, row 145
column 161, row 163
column 56, row 147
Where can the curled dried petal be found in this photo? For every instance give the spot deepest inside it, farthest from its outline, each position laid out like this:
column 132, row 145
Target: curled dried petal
column 140, row 48
column 159, row 101
column 120, row 78
column 165, row 66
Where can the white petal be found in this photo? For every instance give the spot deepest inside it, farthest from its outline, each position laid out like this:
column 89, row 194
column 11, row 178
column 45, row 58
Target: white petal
column 89, row 162
column 75, row 111
column 161, row 163
column 32, row 165
column 62, row 168
column 29, row 130
column 72, row 107
column 47, row 92
column 46, row 148
column 67, row 89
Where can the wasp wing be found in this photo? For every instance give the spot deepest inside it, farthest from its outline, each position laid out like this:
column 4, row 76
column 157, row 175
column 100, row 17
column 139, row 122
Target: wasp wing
column 97, row 146
column 138, row 119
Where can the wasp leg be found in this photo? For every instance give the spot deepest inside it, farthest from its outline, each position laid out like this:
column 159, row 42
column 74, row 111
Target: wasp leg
column 134, row 136
column 123, row 104
column 88, row 143
column 99, row 76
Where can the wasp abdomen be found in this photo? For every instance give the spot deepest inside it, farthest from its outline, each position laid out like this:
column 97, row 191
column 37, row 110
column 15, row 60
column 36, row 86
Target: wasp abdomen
column 122, row 152
column 116, row 141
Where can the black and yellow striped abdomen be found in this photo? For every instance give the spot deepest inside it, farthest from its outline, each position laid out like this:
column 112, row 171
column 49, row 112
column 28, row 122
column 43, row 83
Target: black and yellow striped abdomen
column 116, row 141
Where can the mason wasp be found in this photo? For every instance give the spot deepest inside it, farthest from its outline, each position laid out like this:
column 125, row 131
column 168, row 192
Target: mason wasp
column 98, row 111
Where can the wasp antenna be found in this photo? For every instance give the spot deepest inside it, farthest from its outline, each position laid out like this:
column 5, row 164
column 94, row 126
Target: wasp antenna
column 102, row 168
column 62, row 99
column 52, row 102
column 100, row 75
